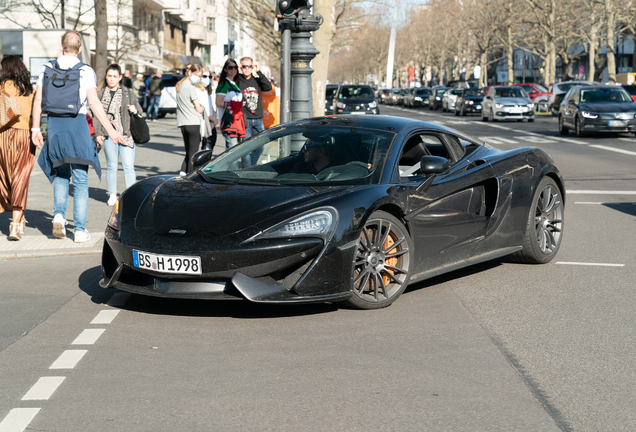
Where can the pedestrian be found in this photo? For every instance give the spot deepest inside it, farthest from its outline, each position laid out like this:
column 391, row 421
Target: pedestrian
column 69, row 148
column 189, row 116
column 119, row 103
column 154, row 93
column 127, row 79
column 207, row 101
column 139, row 89
column 187, row 75
column 229, row 103
column 17, row 154
column 252, row 85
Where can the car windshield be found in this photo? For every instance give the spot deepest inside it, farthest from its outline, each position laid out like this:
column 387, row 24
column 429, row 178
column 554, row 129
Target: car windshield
column 473, row 92
column 455, row 92
column 355, row 93
column 423, row 92
column 605, row 95
column 304, row 155
column 510, row 92
column 541, row 88
column 440, row 91
column 331, row 91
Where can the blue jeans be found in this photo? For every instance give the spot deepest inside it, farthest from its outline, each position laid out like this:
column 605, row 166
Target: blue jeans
column 80, row 193
column 229, row 143
column 153, row 107
column 253, row 127
column 112, row 152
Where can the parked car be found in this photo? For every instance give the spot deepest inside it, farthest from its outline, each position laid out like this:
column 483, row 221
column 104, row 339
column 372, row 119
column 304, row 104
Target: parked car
column 420, row 97
column 168, row 101
column 469, row 101
column 507, row 103
column 449, row 98
column 597, row 109
column 558, row 90
column 435, row 99
column 384, row 96
column 396, row 94
column 538, row 93
column 355, row 99
column 402, row 94
column 408, row 97
column 346, row 234
column 631, row 89
column 330, row 93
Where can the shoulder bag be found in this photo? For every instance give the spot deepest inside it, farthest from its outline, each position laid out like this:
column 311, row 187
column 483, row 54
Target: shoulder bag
column 9, row 110
column 139, row 128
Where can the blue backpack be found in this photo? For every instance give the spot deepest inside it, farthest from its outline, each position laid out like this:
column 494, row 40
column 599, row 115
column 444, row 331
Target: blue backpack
column 60, row 90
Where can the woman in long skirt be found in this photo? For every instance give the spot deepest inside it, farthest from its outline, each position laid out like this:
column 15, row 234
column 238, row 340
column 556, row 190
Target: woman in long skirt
column 17, row 153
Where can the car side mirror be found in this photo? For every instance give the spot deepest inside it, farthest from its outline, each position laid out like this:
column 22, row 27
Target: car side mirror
column 200, row 158
column 434, row 165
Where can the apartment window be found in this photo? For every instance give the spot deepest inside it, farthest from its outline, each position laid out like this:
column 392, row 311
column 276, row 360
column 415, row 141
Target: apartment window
column 210, row 2
column 211, row 24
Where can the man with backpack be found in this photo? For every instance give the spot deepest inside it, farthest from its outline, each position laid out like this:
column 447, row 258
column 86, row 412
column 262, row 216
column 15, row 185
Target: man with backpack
column 65, row 89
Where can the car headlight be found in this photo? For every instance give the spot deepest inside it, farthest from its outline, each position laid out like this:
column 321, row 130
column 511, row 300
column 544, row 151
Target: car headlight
column 113, row 220
column 499, row 106
column 530, row 105
column 330, row 107
column 437, row 97
column 319, row 223
column 373, row 104
column 341, row 105
column 589, row 115
column 470, row 102
column 417, row 98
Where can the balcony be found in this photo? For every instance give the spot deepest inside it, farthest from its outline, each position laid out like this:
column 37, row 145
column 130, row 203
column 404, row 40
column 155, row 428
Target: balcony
column 196, row 32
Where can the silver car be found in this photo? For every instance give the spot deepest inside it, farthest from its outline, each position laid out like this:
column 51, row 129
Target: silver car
column 507, row 103
column 449, row 99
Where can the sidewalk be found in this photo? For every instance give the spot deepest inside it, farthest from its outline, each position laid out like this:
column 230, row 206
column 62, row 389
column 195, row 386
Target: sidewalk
column 162, row 155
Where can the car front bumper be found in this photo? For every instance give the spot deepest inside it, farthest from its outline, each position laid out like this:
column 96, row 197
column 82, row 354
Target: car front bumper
column 502, row 114
column 604, row 125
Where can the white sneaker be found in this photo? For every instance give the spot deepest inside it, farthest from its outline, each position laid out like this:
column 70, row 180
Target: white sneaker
column 58, row 226
column 82, row 236
column 112, row 198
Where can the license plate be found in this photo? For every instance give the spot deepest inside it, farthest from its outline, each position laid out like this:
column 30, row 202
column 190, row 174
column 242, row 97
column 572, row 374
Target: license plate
column 478, row 107
column 619, row 123
column 358, row 112
column 175, row 264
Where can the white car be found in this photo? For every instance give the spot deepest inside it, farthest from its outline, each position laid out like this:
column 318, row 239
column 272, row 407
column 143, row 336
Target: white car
column 168, row 101
column 449, row 99
column 507, row 103
column 557, row 92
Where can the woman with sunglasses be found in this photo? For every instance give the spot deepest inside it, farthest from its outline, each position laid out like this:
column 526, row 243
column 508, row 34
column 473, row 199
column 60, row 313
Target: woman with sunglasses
column 207, row 102
column 229, row 102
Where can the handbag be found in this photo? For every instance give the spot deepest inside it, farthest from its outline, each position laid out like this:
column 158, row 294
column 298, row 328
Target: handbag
column 205, row 129
column 139, row 129
column 9, row 110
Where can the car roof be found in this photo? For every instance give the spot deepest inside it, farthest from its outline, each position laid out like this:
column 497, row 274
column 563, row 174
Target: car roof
column 381, row 122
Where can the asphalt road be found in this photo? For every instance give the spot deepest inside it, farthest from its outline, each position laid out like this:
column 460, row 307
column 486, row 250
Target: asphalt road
column 494, row 347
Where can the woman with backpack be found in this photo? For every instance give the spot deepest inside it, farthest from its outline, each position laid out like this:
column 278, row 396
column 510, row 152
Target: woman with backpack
column 119, row 103
column 17, row 153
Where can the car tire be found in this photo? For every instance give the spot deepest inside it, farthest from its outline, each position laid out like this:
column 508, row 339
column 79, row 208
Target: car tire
column 544, row 231
column 542, row 106
column 483, row 116
column 492, row 116
column 577, row 128
column 552, row 110
column 463, row 112
column 530, row 120
column 382, row 263
column 562, row 129
column 456, row 112
column 161, row 114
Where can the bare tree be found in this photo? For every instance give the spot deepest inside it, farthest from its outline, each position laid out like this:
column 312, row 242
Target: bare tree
column 101, row 37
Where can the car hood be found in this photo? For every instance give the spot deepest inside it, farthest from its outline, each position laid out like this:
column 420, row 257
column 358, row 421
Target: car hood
column 217, row 210
column 513, row 100
column 474, row 98
column 609, row 107
column 356, row 101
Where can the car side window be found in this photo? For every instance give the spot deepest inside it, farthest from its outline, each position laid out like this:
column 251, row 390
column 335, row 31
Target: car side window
column 418, row 145
column 455, row 145
column 576, row 96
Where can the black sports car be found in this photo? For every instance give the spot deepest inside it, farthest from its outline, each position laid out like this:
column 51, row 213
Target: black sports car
column 597, row 109
column 337, row 209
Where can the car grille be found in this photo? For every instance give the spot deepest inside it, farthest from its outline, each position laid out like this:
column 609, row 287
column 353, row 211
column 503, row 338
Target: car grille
column 617, row 116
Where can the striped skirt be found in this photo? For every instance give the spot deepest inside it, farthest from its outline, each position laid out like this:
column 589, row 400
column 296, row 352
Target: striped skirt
column 17, row 156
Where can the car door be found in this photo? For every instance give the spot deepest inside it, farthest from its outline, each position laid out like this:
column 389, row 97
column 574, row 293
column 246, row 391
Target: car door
column 447, row 213
column 569, row 107
column 487, row 102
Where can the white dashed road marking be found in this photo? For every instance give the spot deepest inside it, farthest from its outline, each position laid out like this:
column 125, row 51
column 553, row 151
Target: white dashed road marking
column 598, row 192
column 88, row 337
column 18, row 419
column 44, row 388
column 602, row 147
column 498, row 140
column 68, row 359
column 604, row 203
column 590, row 264
column 105, row 317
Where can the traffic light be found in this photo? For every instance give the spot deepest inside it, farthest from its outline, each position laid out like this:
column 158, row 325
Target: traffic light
column 290, row 8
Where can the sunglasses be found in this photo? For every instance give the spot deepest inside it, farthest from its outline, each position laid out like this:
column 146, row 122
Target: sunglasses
column 246, row 66
column 231, row 67
column 205, row 76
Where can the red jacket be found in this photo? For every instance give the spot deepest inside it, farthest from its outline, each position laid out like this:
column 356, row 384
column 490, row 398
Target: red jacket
column 237, row 128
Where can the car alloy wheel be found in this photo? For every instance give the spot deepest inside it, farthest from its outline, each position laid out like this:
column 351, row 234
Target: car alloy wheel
column 382, row 263
column 483, row 115
column 545, row 225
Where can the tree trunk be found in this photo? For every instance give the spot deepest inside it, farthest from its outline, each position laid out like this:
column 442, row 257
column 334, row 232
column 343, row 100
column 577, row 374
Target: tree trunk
column 611, row 61
column 101, row 39
column 483, row 73
column 552, row 48
column 322, row 41
column 591, row 54
column 510, row 57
